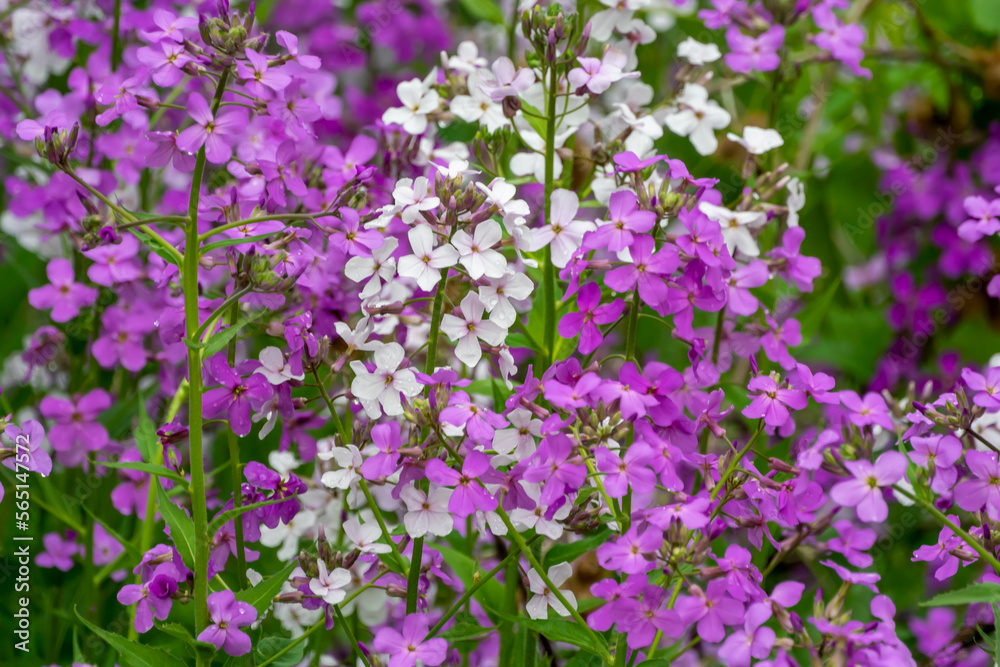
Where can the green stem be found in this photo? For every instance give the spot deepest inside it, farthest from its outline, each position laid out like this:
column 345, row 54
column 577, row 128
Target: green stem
column 511, row 557
column 413, row 580
column 549, row 275
column 945, row 521
column 234, row 466
column 523, row 546
column 386, row 538
column 633, row 324
column 116, row 38
column 199, row 508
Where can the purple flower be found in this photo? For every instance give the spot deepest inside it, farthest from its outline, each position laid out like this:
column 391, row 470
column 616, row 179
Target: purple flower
column 469, row 494
column 597, row 74
column 852, row 542
column 26, row 448
column 64, row 296
column 987, row 388
column 591, row 314
column 982, row 218
column 121, row 340
column 866, row 579
column 633, row 472
column 628, row 553
column 753, row 641
column 228, row 616
column 864, row 492
column 646, row 271
column 259, row 75
column 842, row 41
column 236, row 396
column 506, row 81
column 944, row 551
column 771, row 400
column 641, row 619
column 76, row 420
column 411, row 646
column 152, row 597
column 624, row 218
column 208, row 130
column 972, row 495
column 865, row 412
column 58, row 552
column 750, row 54
column 115, row 264
column 712, row 610
column 165, row 61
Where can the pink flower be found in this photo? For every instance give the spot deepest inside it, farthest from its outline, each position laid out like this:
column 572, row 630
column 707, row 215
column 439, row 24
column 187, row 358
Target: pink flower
column 711, row 609
column 864, row 492
column 983, row 491
column 597, row 74
column 591, row 314
column 64, row 296
column 209, row 130
column 754, row 53
column 628, row 553
column 771, row 401
column 260, row 75
column 411, row 646
column 228, row 616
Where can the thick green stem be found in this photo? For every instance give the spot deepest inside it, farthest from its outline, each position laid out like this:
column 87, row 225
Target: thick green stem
column 523, row 546
column 199, row 510
column 511, row 557
column 549, row 275
column 234, row 466
column 413, row 580
column 633, row 325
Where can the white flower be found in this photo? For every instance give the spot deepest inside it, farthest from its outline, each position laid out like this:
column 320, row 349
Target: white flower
column 533, row 161
column 425, row 264
column 500, row 193
column 427, row 513
column 697, row 53
column 330, row 585
column 477, row 107
column 467, row 58
column 617, row 17
column 694, row 115
column 366, row 536
column 470, row 329
column 564, row 234
column 348, row 460
column 412, row 197
column 497, row 294
column 795, row 201
column 645, row 125
column 736, row 226
column 274, row 367
column 380, row 266
column 456, row 167
column 288, row 534
column 475, row 252
column 538, row 605
column 418, row 101
column 379, row 391
column 524, row 519
column 520, row 437
column 283, row 463
column 757, row 140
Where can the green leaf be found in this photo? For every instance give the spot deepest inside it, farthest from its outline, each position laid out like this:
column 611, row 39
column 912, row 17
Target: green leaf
column 221, row 339
column 986, row 15
column 231, row 242
column 490, row 595
column 585, row 660
column 151, row 468
column 466, row 627
column 262, row 595
column 984, row 592
column 535, row 118
column 655, row 662
column 484, row 10
column 562, row 630
column 132, row 653
column 561, row 553
column 181, row 525
column 271, row 646
column 153, row 245
column 145, row 433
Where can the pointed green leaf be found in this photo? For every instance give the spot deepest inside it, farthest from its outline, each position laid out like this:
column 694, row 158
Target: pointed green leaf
column 133, row 653
column 181, row 525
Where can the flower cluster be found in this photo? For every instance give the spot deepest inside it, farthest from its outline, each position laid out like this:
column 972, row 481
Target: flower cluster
column 392, row 347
